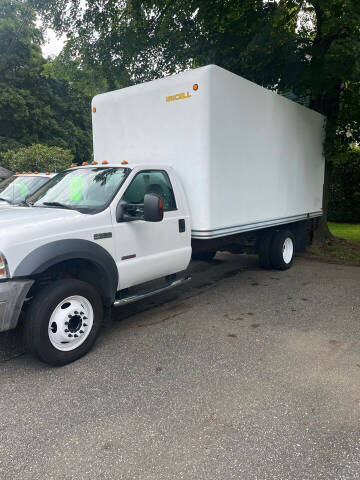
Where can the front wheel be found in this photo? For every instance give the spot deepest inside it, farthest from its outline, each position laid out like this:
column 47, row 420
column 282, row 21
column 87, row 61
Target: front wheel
column 63, row 321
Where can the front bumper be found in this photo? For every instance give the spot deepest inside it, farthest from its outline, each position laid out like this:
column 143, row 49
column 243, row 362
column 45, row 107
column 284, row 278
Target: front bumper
column 12, row 296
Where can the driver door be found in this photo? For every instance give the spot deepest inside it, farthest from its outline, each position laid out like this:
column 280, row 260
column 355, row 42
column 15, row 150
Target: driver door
column 149, row 250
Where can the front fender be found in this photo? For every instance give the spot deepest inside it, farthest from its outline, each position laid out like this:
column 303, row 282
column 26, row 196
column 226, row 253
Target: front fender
column 50, row 254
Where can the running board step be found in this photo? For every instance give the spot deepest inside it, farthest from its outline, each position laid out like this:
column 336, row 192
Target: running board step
column 152, row 291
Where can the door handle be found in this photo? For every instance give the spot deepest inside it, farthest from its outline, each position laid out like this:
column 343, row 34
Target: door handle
column 182, row 225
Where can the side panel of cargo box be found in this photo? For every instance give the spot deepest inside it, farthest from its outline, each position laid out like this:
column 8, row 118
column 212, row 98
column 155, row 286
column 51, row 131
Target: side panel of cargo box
column 266, row 162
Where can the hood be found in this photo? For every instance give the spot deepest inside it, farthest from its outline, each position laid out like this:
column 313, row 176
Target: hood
column 20, row 224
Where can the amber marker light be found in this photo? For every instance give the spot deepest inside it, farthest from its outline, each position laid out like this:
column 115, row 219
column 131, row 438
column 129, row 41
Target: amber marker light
column 17, row 173
column 85, row 163
column 94, row 109
column 24, row 173
column 195, row 87
column 73, row 165
column 94, row 163
column 105, row 162
column 29, row 171
column 47, row 173
column 124, row 162
column 36, row 173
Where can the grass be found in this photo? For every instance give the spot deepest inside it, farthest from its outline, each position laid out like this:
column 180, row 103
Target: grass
column 349, row 231
column 344, row 248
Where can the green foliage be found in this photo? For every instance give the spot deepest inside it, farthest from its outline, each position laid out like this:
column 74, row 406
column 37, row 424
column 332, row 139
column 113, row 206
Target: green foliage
column 348, row 231
column 41, row 158
column 344, row 189
column 34, row 107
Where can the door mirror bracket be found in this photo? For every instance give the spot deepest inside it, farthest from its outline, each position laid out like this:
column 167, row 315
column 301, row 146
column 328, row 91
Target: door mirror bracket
column 153, row 209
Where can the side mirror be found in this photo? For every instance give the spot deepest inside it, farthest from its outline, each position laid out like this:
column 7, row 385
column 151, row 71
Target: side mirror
column 153, row 208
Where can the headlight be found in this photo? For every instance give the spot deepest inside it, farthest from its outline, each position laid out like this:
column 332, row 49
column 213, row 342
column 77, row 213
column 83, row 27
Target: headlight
column 4, row 270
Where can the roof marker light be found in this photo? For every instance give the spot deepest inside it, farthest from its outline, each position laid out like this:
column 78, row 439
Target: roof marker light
column 85, row 163
column 124, row 162
column 47, row 173
column 17, row 173
column 94, row 109
column 29, row 171
column 105, row 162
column 94, row 163
column 24, row 173
column 73, row 165
column 195, row 87
column 36, row 172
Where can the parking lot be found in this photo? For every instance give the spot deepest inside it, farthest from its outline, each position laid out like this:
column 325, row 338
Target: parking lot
column 241, row 373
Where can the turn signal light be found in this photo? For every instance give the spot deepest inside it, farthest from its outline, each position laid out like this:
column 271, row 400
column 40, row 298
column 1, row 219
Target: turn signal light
column 105, row 162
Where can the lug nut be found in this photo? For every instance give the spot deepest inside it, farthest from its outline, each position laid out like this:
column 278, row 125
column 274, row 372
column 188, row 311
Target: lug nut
column 66, row 330
column 69, row 335
column 66, row 323
column 81, row 313
column 76, row 313
column 69, row 316
column 85, row 324
column 75, row 335
column 85, row 318
column 81, row 331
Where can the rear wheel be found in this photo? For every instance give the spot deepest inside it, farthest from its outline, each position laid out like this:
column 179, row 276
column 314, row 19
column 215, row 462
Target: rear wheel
column 264, row 249
column 282, row 250
column 204, row 256
column 63, row 321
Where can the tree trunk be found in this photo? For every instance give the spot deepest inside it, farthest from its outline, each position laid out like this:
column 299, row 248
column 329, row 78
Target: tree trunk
column 326, row 100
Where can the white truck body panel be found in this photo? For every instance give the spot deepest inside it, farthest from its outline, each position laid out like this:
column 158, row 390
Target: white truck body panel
column 247, row 157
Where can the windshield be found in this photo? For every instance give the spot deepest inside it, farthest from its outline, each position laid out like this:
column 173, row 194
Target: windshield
column 85, row 189
column 16, row 189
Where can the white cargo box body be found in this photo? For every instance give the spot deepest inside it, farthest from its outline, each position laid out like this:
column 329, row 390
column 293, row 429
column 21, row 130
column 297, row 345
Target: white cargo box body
column 247, row 157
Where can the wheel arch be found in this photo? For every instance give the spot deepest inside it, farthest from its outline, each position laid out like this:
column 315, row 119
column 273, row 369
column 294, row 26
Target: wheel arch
column 88, row 260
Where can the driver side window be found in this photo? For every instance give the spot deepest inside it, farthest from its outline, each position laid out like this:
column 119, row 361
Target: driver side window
column 151, row 181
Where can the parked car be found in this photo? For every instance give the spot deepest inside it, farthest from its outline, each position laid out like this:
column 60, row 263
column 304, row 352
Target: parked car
column 17, row 188
column 187, row 165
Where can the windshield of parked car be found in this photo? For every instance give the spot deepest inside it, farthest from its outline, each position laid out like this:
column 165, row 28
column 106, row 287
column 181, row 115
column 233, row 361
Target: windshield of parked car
column 15, row 189
column 88, row 190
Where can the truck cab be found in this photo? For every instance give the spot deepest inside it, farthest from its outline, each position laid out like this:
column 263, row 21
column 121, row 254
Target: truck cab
column 96, row 232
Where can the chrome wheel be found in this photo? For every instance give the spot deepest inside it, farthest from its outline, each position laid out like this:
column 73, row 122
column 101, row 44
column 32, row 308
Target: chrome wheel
column 71, row 323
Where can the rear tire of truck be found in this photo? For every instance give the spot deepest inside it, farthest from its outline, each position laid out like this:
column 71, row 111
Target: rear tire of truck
column 282, row 250
column 63, row 321
column 264, row 250
column 203, row 256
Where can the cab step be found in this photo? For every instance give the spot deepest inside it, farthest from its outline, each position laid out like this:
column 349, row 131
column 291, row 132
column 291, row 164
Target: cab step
column 126, row 299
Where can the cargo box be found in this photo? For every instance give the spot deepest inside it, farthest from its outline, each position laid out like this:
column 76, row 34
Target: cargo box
column 247, row 157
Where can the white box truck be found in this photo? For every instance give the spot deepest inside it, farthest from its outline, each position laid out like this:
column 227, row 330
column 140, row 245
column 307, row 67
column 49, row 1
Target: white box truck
column 187, row 165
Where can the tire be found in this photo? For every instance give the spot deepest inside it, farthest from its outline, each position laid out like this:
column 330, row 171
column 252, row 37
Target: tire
column 203, row 256
column 282, row 250
column 264, row 250
column 67, row 300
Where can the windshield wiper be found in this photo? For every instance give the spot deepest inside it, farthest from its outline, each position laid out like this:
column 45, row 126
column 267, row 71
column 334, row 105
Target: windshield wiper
column 57, row 204
column 25, row 203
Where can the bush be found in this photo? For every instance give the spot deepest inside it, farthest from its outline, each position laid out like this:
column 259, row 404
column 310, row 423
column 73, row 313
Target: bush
column 344, row 187
column 37, row 157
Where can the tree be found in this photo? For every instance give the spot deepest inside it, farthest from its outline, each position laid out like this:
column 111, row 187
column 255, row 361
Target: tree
column 35, row 108
column 39, row 158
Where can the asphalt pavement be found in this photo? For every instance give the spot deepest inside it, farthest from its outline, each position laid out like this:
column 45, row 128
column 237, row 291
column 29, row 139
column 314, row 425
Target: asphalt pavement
column 240, row 374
